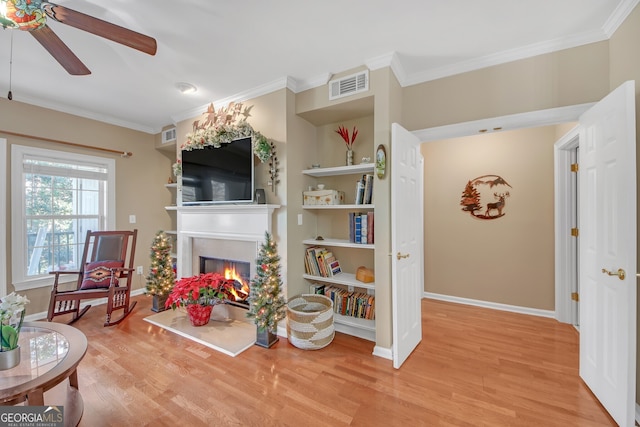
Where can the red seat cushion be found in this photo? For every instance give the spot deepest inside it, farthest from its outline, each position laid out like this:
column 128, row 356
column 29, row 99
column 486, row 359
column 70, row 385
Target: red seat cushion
column 98, row 274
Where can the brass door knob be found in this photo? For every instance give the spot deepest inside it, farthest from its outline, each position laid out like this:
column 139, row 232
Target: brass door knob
column 620, row 273
column 400, row 256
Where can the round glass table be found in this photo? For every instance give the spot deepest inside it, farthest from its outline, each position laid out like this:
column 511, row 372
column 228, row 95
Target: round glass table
column 49, row 354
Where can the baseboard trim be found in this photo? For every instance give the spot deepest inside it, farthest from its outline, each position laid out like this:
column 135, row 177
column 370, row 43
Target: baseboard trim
column 384, row 352
column 492, row 305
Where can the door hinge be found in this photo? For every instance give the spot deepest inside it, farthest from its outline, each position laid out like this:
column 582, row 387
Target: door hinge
column 574, row 232
column 575, row 296
column 574, row 167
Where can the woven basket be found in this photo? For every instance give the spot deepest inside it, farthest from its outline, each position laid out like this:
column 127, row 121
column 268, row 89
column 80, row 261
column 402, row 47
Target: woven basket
column 310, row 321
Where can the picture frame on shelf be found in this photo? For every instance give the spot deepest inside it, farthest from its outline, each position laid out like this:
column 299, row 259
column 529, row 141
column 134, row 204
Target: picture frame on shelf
column 381, row 161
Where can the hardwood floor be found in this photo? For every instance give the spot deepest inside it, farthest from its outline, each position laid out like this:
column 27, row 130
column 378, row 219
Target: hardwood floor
column 474, row 367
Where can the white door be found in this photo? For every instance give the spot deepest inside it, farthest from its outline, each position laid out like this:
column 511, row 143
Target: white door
column 607, row 186
column 406, row 242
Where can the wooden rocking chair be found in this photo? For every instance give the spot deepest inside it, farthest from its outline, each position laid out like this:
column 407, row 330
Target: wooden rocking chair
column 106, row 271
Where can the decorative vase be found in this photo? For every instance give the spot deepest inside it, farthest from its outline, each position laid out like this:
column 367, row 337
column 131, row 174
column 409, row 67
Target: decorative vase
column 349, row 157
column 159, row 303
column 199, row 314
column 9, row 358
column 264, row 338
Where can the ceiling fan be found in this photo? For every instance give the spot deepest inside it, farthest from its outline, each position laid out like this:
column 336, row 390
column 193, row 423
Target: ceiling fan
column 31, row 15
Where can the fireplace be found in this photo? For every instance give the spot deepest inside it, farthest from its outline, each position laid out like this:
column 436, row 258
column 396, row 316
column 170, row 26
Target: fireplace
column 237, row 271
column 226, row 232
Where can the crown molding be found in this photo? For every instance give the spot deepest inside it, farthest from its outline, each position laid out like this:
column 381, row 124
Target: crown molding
column 76, row 111
column 381, row 61
column 313, row 82
column 618, row 16
column 503, row 57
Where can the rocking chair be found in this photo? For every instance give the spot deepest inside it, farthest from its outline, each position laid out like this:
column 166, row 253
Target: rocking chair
column 106, row 271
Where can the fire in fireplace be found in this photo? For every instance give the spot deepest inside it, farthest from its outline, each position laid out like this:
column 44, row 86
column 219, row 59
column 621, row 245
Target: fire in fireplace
column 238, row 271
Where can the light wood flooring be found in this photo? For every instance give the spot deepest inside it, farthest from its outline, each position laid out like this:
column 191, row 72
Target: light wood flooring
column 474, row 367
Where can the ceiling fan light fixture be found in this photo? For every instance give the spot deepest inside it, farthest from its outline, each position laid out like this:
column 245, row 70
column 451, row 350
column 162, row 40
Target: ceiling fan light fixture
column 186, row 88
column 27, row 16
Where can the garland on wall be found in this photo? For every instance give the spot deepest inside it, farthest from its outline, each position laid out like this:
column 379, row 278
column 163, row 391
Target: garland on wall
column 224, row 125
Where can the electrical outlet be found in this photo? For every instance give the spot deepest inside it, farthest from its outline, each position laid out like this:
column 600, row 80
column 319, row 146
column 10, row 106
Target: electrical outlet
column 132, row 219
column 140, row 270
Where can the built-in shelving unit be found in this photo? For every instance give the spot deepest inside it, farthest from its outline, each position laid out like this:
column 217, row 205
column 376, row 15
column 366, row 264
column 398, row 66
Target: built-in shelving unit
column 171, row 209
column 363, row 328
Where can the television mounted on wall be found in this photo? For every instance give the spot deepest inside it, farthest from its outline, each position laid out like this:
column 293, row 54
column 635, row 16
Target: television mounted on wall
column 219, row 175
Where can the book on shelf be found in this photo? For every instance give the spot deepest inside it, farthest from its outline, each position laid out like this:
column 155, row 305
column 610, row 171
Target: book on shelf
column 368, row 189
column 363, row 228
column 359, row 196
column 321, row 265
column 352, row 230
column 335, row 268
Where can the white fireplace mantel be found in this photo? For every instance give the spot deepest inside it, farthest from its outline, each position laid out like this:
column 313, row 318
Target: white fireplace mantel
column 225, row 222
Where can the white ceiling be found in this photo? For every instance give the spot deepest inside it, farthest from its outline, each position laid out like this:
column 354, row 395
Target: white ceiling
column 234, row 49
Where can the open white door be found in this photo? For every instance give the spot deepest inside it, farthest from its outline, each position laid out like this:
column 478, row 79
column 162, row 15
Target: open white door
column 406, row 242
column 607, row 194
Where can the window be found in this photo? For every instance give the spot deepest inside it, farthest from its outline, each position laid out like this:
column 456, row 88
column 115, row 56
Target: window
column 56, row 197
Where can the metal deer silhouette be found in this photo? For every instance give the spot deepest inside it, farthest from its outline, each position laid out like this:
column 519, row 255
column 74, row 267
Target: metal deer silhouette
column 498, row 206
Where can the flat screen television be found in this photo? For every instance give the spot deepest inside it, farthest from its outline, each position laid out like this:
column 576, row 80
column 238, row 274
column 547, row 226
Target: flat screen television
column 218, row 175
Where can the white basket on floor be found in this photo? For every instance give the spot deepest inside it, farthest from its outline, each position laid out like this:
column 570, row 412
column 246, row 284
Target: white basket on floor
column 310, row 321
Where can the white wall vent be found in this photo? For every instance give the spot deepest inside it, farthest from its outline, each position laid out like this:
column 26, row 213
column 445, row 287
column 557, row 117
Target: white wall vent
column 349, row 85
column 168, row 135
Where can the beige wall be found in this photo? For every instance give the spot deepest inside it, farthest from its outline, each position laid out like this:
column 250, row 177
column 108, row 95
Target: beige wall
column 140, row 179
column 625, row 65
column 568, row 77
column 509, row 260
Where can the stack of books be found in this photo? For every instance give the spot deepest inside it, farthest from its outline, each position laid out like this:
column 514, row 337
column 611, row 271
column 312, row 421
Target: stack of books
column 321, row 262
column 361, row 227
column 355, row 304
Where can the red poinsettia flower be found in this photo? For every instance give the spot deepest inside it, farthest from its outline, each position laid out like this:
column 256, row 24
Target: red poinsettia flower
column 203, row 289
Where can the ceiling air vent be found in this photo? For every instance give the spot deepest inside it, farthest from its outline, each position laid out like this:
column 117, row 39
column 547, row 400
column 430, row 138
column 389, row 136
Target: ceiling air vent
column 168, row 135
column 349, row 85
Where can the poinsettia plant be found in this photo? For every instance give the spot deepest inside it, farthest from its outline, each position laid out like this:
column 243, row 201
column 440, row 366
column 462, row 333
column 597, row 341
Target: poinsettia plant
column 202, row 289
column 11, row 318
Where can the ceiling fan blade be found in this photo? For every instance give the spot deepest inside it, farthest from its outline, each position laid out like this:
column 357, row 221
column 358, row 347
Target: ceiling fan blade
column 56, row 47
column 101, row 28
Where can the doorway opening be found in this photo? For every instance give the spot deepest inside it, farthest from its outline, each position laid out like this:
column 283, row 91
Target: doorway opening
column 557, row 116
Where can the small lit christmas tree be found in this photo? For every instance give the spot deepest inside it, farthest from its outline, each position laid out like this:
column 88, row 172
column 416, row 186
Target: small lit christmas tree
column 266, row 303
column 161, row 276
